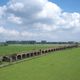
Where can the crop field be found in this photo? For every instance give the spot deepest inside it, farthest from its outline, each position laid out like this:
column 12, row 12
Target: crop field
column 13, row 49
column 60, row 65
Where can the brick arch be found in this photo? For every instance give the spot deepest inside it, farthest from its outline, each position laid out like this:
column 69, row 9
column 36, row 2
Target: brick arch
column 19, row 57
column 28, row 55
column 23, row 55
column 6, row 59
column 31, row 54
column 35, row 53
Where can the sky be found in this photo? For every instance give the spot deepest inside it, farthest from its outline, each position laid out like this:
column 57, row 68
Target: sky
column 68, row 5
column 51, row 20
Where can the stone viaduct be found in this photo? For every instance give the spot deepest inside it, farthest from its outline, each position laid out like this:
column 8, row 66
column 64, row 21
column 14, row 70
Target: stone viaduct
column 16, row 57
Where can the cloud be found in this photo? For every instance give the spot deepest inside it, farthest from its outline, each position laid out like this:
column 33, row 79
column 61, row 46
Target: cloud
column 7, row 32
column 2, row 11
column 14, row 19
column 50, row 10
column 16, row 6
column 71, row 21
column 38, row 19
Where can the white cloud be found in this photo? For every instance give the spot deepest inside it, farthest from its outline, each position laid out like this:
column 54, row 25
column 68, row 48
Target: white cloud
column 69, row 20
column 14, row 34
column 50, row 10
column 28, row 34
column 14, row 19
column 38, row 19
column 7, row 32
column 44, row 27
column 2, row 11
column 16, row 6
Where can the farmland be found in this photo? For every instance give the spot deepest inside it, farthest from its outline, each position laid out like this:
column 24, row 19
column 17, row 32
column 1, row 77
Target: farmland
column 61, row 65
column 12, row 49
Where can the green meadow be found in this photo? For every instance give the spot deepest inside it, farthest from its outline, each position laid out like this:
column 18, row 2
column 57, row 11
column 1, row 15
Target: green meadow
column 17, row 48
column 59, row 65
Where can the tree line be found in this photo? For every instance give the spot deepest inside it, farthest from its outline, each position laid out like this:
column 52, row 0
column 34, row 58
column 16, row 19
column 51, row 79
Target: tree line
column 35, row 42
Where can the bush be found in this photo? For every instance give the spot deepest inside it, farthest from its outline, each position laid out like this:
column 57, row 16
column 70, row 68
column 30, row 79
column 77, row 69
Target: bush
column 3, row 44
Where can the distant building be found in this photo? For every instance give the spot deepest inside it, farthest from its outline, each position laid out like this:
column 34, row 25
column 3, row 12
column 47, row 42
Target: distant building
column 43, row 42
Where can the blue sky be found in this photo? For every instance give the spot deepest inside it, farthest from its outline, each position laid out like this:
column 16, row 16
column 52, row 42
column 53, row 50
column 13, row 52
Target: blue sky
column 68, row 5
column 3, row 2
column 51, row 20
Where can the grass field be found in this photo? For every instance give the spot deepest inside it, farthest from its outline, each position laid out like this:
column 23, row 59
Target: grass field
column 61, row 65
column 11, row 49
